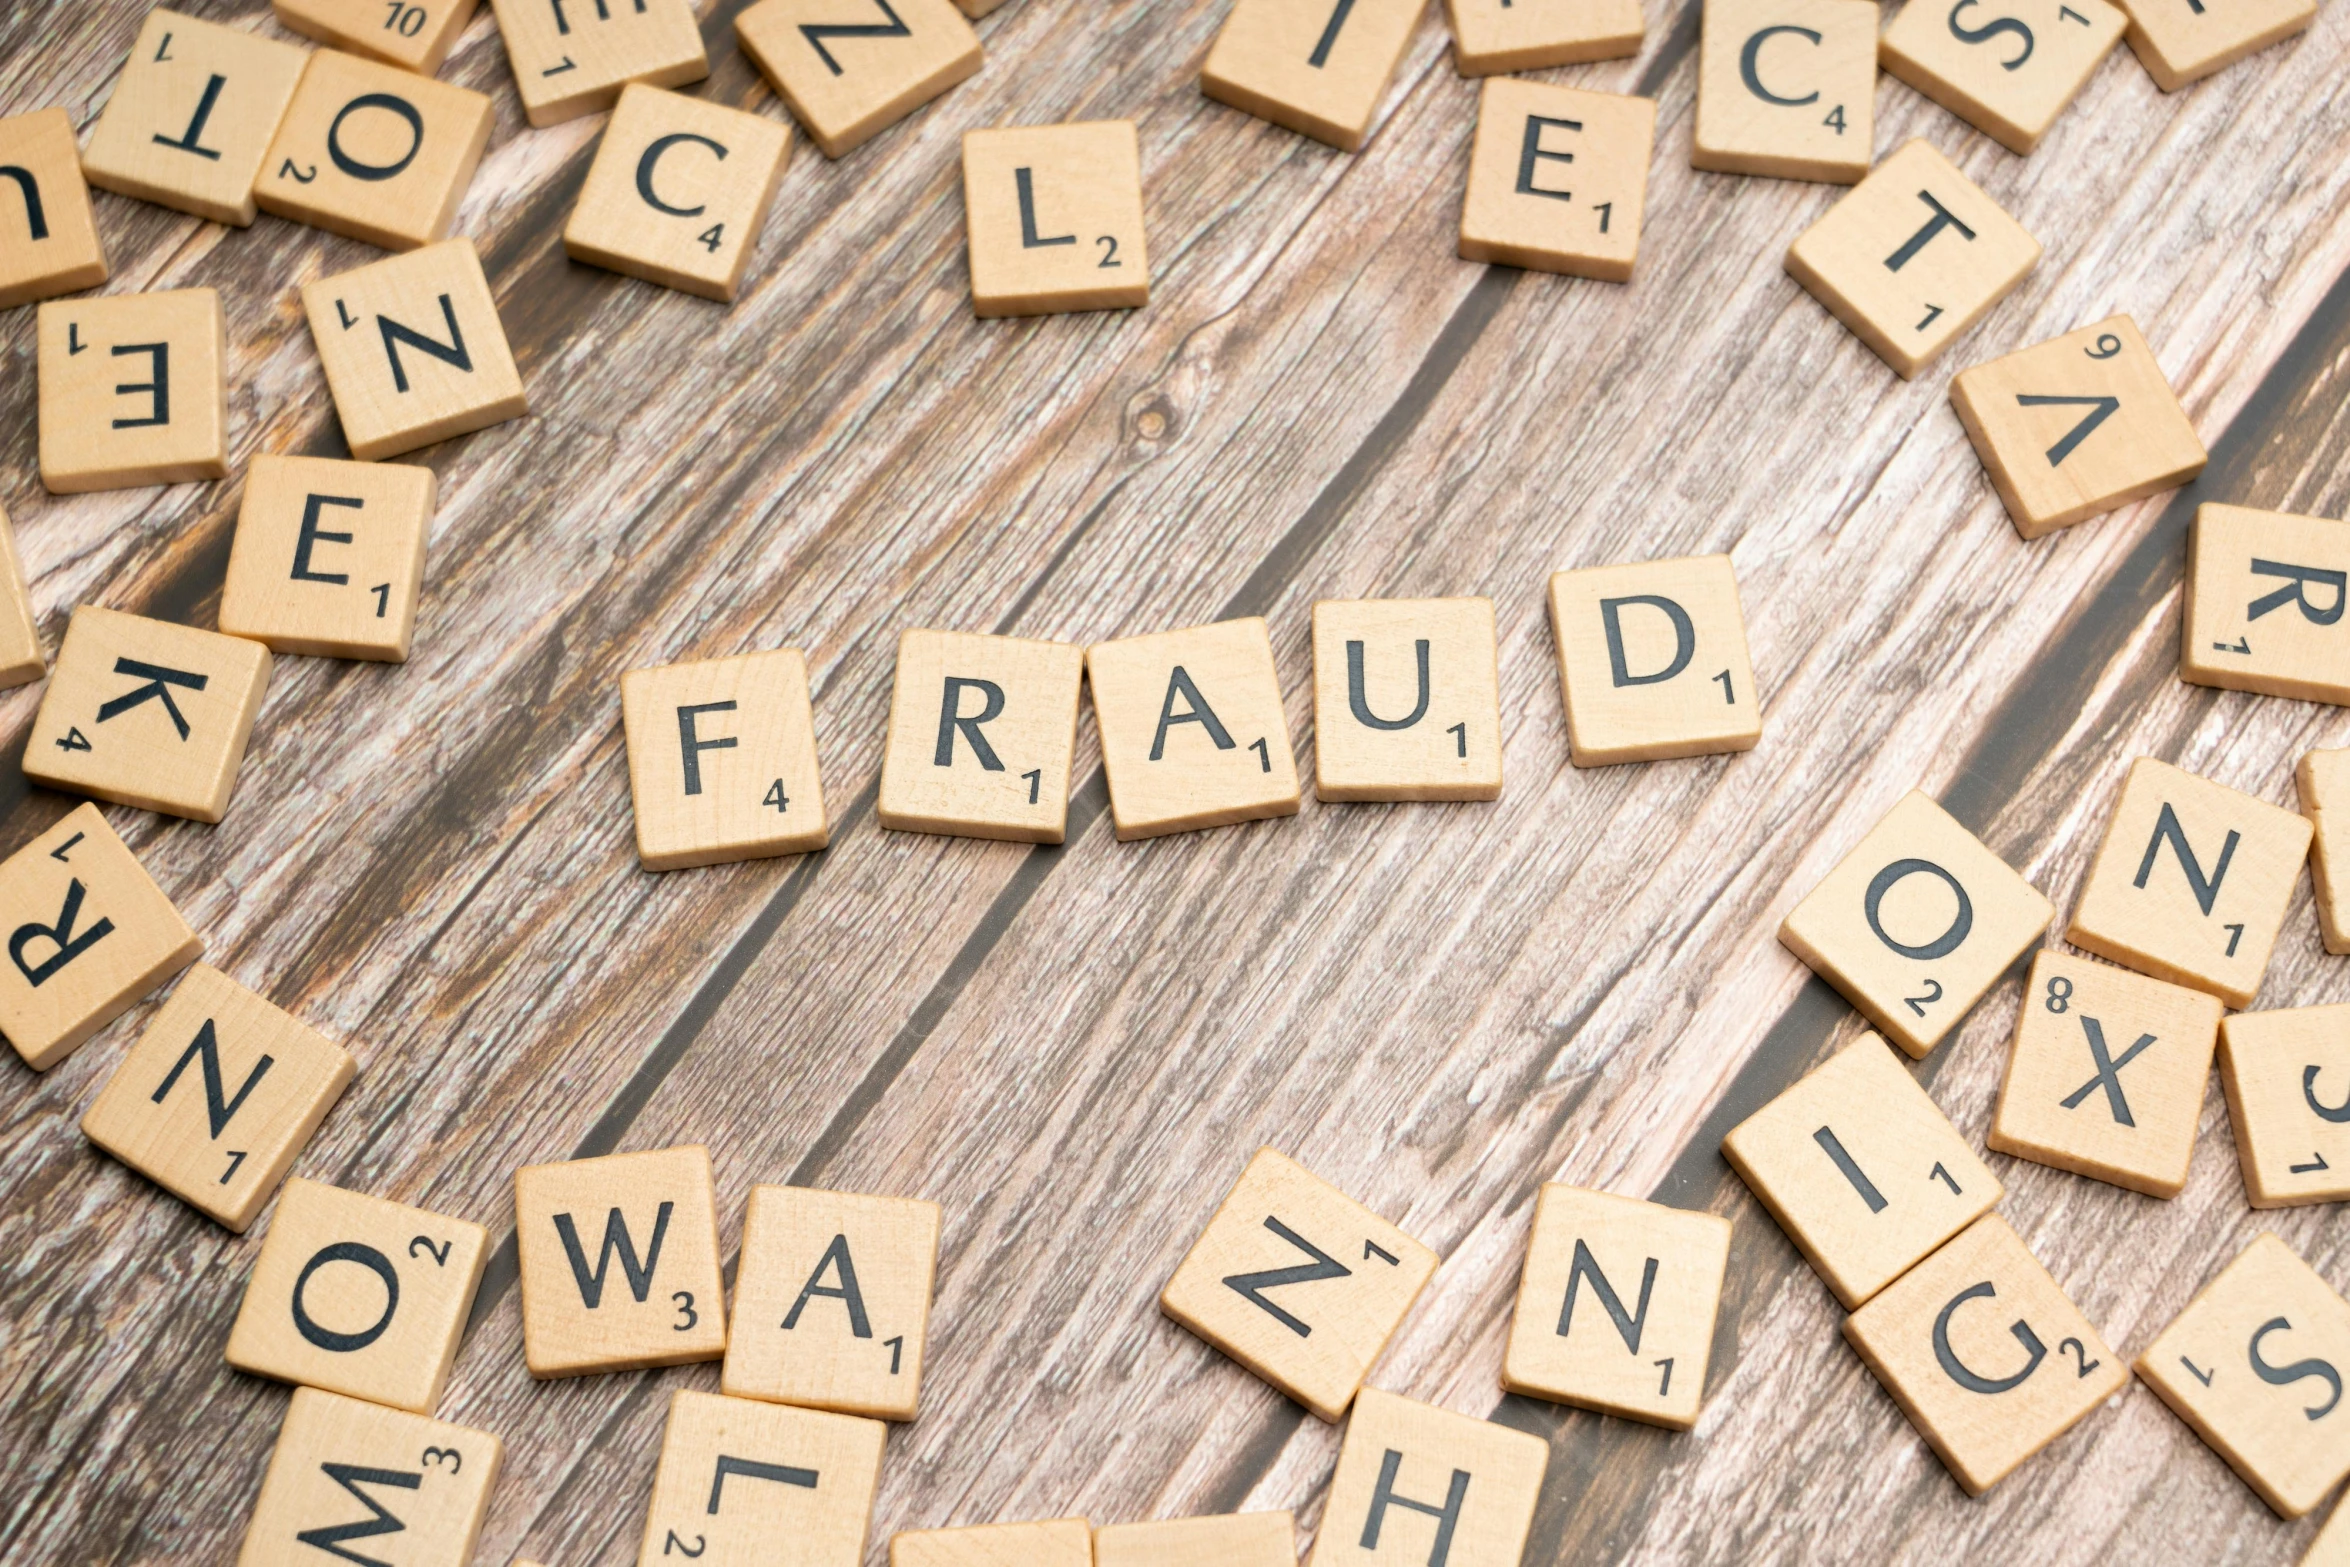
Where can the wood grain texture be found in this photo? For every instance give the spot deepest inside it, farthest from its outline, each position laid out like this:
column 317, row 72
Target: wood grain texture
column 1072, row 1049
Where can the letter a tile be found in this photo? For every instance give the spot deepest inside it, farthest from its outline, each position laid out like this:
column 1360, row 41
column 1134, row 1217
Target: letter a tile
column 1557, row 179
column 1985, row 1354
column 133, row 391
column 2191, row 882
column 851, row 69
column 1193, row 733
column 1057, row 1542
column 1054, row 214
column 1916, row 923
column 415, row 35
column 1319, row 70
column 414, row 350
column 572, row 57
column 2255, row 1365
column 1298, row 1282
column 722, row 760
column 981, row 733
column 372, row 152
column 1861, row 1169
column 1230, row 1540
column 1912, row 256
column 2182, row 41
column 89, row 933
column 677, row 191
column 1787, row 88
column 619, row 1262
column 2007, row 70
column 1407, row 700
column 1415, row 1483
column 346, row 1470
column 48, row 240
column 2265, row 595
column 328, row 556
column 744, row 1484
column 1653, row 662
column 190, row 119
column 2287, row 1076
column 1492, row 36
column 2323, row 781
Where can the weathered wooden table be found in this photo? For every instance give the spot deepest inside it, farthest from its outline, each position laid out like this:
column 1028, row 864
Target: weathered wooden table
column 1438, row 1007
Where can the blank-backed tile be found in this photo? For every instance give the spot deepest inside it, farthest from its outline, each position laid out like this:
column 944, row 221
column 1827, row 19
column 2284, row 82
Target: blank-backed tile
column 1192, row 730
column 21, row 658
column 746, row 1484
column 1653, row 661
column 133, row 390
column 1558, row 178
column 2009, row 73
column 2264, row 599
column 1315, row 69
column 1053, row 215
column 2287, row 1076
column 572, row 57
column 328, row 556
column 346, row 1472
column 413, row 34
column 414, row 350
column 619, row 1262
column 2323, row 782
column 373, row 152
column 982, row 731
column 1226, row 1540
column 1416, row 1483
column 1407, row 700
column 677, row 191
column 1056, row 1542
column 1787, row 88
column 191, row 117
column 722, row 760
column 48, row 239
column 851, row 69
column 2182, row 41
column 1490, row 36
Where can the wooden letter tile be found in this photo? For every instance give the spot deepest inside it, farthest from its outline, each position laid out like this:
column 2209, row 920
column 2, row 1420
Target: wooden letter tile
column 2323, row 782
column 745, row 1484
column 2008, row 70
column 1985, row 1354
column 373, row 152
column 328, row 557
column 832, row 1301
column 1229, row 1540
column 2191, row 881
column 133, row 391
column 981, row 733
column 572, row 57
column 1916, row 923
column 1058, row 1542
column 1054, row 214
column 1298, row 1282
column 677, row 191
column 1314, row 68
column 1616, row 1306
column 21, row 660
column 1416, row 1484
column 2287, row 1076
column 414, row 350
column 1192, row 730
column 2179, row 41
column 358, row 1295
column 415, row 35
column 619, row 1262
column 1493, row 36
column 345, row 1470
column 218, row 1096
column 1653, row 662
column 1407, row 700
column 851, row 69
column 722, row 760
column 191, row 116
column 146, row 713
column 1912, row 256
column 1787, row 88
column 48, row 239
column 2076, row 426
column 2265, row 594
column 1861, row 1169
column 2106, row 1074
column 1557, row 179
column 89, row 933
column 2255, row 1365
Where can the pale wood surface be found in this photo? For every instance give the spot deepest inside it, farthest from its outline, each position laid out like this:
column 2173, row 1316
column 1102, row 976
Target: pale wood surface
column 1074, row 1050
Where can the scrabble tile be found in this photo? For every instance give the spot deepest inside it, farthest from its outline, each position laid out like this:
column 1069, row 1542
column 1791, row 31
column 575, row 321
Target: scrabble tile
column 1557, row 179
column 1652, row 661
column 48, row 240
column 2007, row 70
column 1492, row 36
column 2106, row 1074
column 21, row 660
column 2287, row 1076
column 2323, row 783
column 1861, row 1169
column 2191, row 881
column 1298, row 1282
column 1058, row 1542
column 1911, row 257
column 415, row 35
column 1054, row 218
column 146, row 713
column 328, row 557
column 1616, row 1305
column 722, row 760
column 358, row 1295
column 88, row 934
column 132, row 391
column 1229, row 1540
column 832, row 1301
column 345, row 1472
column 1416, row 1483
column 1787, row 88
column 190, row 119
column 572, row 57
column 981, row 734
column 2254, row 1365
column 1407, row 700
column 677, row 191
column 1192, row 730
column 619, row 1262
column 745, row 1484
column 414, row 350
column 1985, row 1354
column 1303, row 64
column 1916, row 923
column 372, row 152
column 2181, row 41
column 2071, row 428
column 851, row 69
column 218, row 1096
column 2265, row 594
